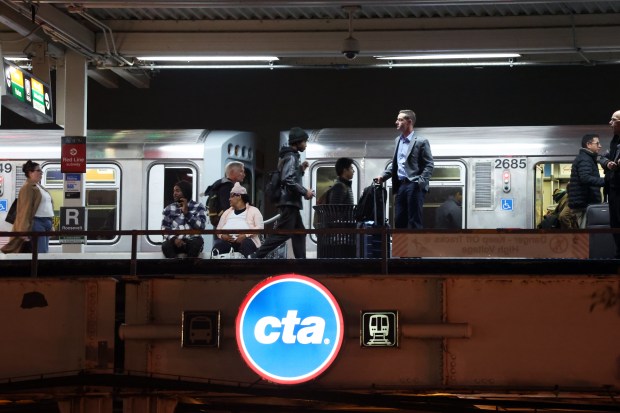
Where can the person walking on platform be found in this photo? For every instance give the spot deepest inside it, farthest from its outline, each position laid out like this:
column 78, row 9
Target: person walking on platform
column 289, row 205
column 584, row 187
column 35, row 212
column 183, row 214
column 609, row 162
column 411, row 171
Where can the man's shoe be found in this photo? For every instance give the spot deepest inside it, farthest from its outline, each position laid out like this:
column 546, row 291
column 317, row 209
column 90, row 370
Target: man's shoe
column 252, row 256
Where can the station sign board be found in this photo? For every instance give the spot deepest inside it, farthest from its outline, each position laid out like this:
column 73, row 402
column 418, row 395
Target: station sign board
column 289, row 329
column 73, row 154
column 25, row 94
column 72, row 219
column 379, row 328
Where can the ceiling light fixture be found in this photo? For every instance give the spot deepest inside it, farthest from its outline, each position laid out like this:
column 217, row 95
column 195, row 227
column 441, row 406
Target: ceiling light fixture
column 208, row 58
column 451, row 56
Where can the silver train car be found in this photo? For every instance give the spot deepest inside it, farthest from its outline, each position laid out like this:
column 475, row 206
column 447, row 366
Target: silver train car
column 130, row 175
column 506, row 175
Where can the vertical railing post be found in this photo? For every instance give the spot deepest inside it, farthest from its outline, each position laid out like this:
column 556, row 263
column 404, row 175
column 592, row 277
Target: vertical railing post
column 34, row 264
column 134, row 253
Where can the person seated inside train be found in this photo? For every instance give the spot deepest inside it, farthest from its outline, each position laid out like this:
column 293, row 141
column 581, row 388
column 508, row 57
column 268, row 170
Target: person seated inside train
column 241, row 215
column 183, row 214
column 450, row 213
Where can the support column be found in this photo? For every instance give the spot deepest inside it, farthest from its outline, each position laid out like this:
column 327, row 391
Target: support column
column 75, row 120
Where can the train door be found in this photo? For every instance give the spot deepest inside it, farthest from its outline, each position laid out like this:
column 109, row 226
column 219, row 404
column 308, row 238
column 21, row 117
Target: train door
column 322, row 178
column 443, row 204
column 160, row 183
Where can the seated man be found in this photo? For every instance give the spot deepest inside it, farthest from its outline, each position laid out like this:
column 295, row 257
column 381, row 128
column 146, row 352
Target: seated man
column 241, row 215
column 183, row 214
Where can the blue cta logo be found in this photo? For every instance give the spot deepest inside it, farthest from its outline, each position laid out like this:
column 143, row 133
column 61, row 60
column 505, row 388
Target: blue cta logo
column 289, row 329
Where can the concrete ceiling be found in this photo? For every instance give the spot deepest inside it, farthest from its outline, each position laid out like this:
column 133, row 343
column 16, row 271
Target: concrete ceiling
column 113, row 35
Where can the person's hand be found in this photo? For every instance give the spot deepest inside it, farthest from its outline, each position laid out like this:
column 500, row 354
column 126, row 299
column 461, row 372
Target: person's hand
column 612, row 165
column 304, row 166
column 178, row 242
column 183, row 205
column 240, row 238
column 309, row 194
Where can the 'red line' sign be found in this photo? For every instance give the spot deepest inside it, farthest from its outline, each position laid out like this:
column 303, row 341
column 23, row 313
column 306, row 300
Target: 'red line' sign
column 73, row 154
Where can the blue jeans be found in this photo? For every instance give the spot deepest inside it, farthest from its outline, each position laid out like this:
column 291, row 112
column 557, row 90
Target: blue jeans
column 42, row 225
column 408, row 206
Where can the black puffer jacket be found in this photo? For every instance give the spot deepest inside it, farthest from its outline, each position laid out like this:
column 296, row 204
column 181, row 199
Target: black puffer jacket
column 291, row 177
column 584, row 187
column 341, row 192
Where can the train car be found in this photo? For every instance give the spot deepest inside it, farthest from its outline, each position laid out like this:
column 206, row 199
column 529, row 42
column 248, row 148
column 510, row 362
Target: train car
column 506, row 175
column 130, row 175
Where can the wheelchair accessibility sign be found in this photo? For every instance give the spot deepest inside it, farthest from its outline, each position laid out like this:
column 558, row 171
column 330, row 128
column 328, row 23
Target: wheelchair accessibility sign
column 506, row 204
column 4, row 205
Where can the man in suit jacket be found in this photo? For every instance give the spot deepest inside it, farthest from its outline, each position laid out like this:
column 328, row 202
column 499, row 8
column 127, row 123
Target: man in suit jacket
column 411, row 171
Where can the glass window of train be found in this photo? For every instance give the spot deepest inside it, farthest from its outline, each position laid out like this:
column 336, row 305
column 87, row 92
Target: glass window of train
column 102, row 182
column 435, row 198
column 160, row 182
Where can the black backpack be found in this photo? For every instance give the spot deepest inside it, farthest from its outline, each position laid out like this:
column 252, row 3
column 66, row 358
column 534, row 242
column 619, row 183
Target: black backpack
column 273, row 187
column 213, row 202
column 371, row 205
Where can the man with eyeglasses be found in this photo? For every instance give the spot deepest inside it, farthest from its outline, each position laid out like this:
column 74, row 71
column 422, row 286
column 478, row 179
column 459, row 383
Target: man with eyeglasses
column 609, row 162
column 584, row 187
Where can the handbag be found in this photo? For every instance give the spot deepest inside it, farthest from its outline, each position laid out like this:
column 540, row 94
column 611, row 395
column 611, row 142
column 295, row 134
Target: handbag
column 11, row 214
column 232, row 254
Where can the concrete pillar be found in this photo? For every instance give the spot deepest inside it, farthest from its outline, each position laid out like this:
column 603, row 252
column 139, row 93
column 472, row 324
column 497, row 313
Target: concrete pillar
column 75, row 119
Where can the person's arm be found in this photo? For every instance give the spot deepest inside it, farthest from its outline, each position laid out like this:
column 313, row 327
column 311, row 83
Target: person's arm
column 289, row 177
column 166, row 222
column 584, row 173
column 426, row 157
column 196, row 217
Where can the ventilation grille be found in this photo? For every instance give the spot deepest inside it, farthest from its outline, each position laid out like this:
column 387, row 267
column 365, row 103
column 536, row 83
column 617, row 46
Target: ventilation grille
column 483, row 175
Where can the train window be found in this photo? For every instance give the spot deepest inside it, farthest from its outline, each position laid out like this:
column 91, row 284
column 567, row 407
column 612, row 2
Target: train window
column 102, row 189
column 161, row 179
column 448, row 189
column 323, row 175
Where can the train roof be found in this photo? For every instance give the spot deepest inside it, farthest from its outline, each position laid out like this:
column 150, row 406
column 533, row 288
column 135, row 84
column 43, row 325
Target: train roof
column 114, row 144
column 455, row 141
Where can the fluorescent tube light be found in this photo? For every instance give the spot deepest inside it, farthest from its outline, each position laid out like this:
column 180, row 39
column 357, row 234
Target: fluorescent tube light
column 208, row 58
column 451, row 56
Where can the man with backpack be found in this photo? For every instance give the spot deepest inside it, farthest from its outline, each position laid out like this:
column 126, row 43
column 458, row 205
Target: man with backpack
column 218, row 193
column 291, row 192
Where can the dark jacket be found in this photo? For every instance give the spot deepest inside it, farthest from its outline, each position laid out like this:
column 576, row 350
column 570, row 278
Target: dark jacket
column 341, row 192
column 291, row 177
column 449, row 215
column 612, row 178
column 419, row 165
column 584, row 187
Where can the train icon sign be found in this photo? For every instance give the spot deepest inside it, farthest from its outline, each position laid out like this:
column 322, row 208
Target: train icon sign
column 379, row 329
column 289, row 329
column 200, row 329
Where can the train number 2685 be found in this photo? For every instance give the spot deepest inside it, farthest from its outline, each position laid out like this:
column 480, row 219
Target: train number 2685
column 510, row 163
column 6, row 167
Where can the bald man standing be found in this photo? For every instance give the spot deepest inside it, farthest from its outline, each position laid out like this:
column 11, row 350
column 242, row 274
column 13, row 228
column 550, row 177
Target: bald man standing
column 609, row 162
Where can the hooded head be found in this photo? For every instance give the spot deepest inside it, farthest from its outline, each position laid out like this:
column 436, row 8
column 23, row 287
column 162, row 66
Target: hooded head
column 297, row 135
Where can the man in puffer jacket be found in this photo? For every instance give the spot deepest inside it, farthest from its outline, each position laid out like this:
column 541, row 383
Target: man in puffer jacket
column 584, row 187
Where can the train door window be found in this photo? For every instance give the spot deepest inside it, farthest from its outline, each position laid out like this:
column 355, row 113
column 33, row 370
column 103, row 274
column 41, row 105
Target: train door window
column 102, row 189
column 447, row 189
column 550, row 176
column 322, row 178
column 161, row 179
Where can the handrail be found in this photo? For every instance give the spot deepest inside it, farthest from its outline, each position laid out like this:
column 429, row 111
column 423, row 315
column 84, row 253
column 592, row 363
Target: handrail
column 385, row 233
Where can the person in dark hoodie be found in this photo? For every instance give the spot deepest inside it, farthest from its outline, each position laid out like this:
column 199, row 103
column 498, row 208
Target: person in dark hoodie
column 183, row 214
column 584, row 187
column 291, row 173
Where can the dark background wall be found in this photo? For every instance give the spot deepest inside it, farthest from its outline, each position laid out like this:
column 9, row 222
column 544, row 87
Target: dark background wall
column 267, row 101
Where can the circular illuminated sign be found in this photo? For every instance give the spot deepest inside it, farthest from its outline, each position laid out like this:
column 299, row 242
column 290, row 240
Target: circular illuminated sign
column 289, row 329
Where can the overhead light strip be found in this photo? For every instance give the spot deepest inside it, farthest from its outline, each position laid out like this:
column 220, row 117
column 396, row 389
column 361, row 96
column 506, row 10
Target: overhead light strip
column 451, row 56
column 208, row 58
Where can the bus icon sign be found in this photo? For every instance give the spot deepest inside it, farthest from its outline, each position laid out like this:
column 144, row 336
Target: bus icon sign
column 201, row 329
column 379, row 329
